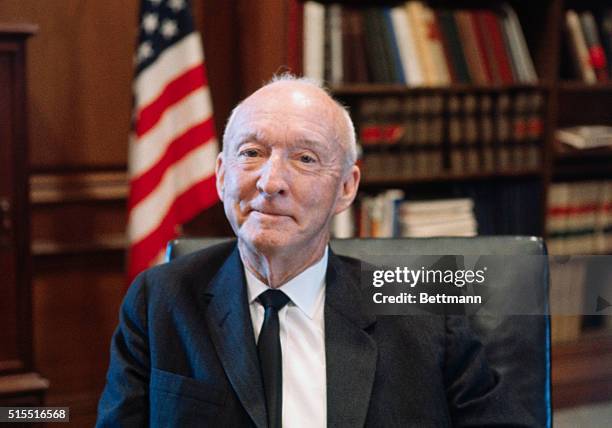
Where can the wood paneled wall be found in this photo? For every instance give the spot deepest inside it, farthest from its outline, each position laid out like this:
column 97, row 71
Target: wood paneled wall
column 79, row 90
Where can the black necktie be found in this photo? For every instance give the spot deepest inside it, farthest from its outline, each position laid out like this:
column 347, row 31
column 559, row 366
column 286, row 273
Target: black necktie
column 270, row 356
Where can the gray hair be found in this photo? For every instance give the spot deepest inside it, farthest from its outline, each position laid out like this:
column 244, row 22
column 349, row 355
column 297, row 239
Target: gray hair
column 345, row 136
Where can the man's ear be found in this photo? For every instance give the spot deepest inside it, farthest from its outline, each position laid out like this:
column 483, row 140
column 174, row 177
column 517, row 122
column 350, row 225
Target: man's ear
column 220, row 175
column 348, row 191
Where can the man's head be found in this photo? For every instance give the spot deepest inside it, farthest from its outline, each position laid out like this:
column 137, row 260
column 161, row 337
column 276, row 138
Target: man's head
column 287, row 166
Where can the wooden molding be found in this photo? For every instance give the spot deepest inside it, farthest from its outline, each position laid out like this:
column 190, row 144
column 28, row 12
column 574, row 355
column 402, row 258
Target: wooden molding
column 21, row 29
column 11, row 365
column 75, row 187
column 103, row 243
column 22, row 383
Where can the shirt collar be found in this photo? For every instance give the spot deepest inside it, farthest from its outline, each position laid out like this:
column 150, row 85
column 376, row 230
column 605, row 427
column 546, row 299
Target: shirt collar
column 304, row 290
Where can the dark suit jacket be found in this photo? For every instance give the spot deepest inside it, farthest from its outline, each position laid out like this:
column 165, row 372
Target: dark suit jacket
column 184, row 354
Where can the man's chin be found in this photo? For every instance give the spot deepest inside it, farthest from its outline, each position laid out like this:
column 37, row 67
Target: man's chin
column 267, row 241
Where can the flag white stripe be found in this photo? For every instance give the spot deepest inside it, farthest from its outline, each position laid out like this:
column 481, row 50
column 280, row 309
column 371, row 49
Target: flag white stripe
column 149, row 148
column 173, row 62
column 149, row 213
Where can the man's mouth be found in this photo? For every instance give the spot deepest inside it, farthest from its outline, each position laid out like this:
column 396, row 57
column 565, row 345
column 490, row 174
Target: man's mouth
column 269, row 213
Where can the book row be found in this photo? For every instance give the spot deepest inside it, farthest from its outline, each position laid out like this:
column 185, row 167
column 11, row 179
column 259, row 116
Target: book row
column 388, row 215
column 579, row 217
column 428, row 134
column 414, row 44
column 489, row 208
column 590, row 44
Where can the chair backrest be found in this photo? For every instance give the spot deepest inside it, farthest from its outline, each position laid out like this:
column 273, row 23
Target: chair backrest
column 516, row 345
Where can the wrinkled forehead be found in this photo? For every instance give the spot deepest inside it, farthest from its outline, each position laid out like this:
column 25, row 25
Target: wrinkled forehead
column 294, row 93
column 292, row 99
column 307, row 112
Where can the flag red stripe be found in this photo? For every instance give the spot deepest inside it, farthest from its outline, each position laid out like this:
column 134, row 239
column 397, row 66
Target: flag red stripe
column 194, row 137
column 174, row 91
column 198, row 197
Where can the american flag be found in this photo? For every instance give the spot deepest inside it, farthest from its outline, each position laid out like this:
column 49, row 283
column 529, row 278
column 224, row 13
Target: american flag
column 172, row 147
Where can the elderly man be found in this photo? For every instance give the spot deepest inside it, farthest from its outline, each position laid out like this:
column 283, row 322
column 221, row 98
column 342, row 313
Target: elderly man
column 271, row 330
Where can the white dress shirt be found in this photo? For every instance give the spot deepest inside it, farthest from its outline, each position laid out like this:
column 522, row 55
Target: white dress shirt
column 302, row 337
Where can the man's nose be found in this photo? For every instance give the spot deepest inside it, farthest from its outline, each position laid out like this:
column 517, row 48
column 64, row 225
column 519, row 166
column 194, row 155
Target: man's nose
column 273, row 180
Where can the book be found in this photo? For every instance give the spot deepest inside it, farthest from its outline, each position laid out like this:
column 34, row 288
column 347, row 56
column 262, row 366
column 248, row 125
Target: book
column 606, row 211
column 606, row 37
column 437, row 134
column 489, row 63
column 406, row 154
column 503, row 132
column 336, row 56
column 469, row 46
column 406, row 45
column 392, row 127
column 327, row 54
column 465, row 228
column 451, row 44
column 455, row 134
column 495, row 47
column 470, row 134
column 578, row 219
column 417, row 23
column 454, row 206
column 435, row 47
column 603, row 219
column 364, row 210
column 597, row 55
column 518, row 144
column 582, row 208
column 421, row 167
column 556, row 217
column 390, row 201
column 534, row 131
column 578, row 47
column 376, row 52
column 390, row 39
column 355, row 67
column 378, row 214
column 517, row 45
column 371, row 124
column 374, row 165
column 445, row 217
column 486, row 132
column 585, row 137
column 314, row 40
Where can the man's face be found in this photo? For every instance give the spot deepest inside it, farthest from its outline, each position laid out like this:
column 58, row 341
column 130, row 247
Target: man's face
column 281, row 176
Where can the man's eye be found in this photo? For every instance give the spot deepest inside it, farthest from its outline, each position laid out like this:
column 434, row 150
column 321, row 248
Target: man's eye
column 249, row 153
column 307, row 159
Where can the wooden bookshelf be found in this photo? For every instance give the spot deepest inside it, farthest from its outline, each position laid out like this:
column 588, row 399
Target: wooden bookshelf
column 571, row 86
column 448, row 177
column 582, row 369
column 567, row 102
column 361, row 89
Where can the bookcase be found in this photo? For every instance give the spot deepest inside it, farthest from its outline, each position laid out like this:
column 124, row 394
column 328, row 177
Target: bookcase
column 514, row 200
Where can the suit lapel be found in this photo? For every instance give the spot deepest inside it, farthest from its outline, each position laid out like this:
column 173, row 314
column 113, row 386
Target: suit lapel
column 350, row 352
column 229, row 321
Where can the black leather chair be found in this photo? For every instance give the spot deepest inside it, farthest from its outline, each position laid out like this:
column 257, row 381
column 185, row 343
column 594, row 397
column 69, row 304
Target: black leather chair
column 517, row 345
